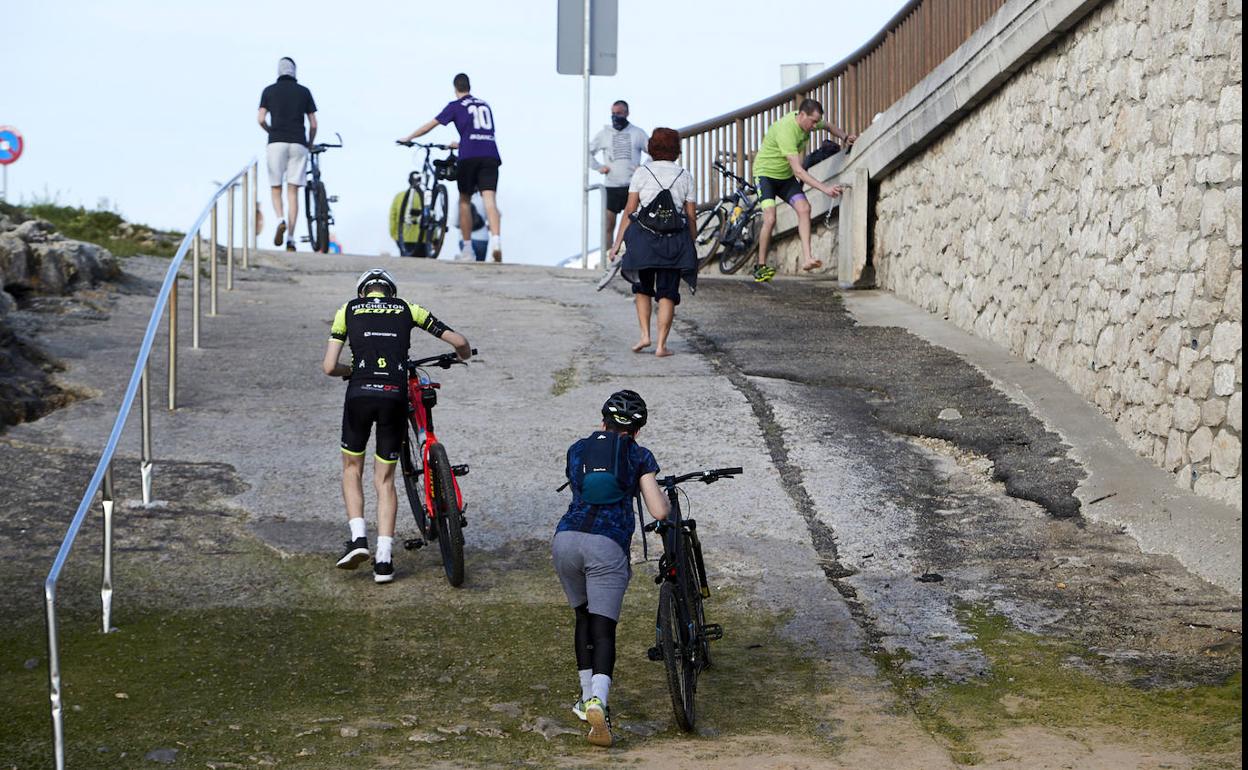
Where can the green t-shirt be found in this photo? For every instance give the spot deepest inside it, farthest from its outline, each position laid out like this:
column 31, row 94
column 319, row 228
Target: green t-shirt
column 783, row 139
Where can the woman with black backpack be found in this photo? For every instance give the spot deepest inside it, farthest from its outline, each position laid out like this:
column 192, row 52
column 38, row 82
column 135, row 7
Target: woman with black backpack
column 658, row 227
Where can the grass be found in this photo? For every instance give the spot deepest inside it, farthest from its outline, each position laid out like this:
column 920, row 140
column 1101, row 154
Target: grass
column 99, row 226
column 278, row 683
column 1032, row 682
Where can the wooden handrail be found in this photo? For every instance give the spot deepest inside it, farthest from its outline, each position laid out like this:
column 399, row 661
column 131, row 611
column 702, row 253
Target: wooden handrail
column 913, row 43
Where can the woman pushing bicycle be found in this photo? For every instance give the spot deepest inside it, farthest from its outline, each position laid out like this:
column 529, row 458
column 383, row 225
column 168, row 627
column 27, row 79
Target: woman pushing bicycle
column 378, row 324
column 590, row 549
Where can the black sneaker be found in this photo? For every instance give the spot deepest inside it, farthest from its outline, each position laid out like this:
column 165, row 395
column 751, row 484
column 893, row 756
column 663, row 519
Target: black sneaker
column 355, row 555
column 281, row 232
column 383, row 571
column 290, row 245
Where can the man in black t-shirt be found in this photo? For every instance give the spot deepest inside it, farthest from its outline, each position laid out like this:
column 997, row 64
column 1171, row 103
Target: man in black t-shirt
column 287, row 103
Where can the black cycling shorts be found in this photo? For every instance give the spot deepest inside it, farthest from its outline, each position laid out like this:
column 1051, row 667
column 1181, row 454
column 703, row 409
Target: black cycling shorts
column 617, row 198
column 659, row 282
column 358, row 415
column 777, row 190
column 475, row 174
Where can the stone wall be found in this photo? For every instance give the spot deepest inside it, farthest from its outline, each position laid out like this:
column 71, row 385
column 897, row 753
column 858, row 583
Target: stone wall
column 1088, row 216
column 785, row 254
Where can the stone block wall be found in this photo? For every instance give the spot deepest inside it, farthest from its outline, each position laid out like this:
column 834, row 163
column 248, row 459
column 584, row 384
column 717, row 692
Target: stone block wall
column 1089, row 217
column 785, row 254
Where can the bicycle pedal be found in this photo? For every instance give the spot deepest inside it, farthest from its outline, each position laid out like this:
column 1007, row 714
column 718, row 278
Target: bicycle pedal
column 654, row 653
column 713, row 631
column 460, row 470
column 414, row 543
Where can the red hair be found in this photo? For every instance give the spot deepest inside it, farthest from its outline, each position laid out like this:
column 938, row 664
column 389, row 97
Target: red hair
column 664, row 144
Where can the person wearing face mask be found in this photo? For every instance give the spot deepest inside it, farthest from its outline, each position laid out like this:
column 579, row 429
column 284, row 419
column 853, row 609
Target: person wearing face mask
column 621, row 145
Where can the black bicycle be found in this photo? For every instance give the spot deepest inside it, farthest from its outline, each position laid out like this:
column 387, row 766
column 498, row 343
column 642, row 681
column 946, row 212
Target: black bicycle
column 423, row 208
column 729, row 229
column 682, row 635
column 316, row 200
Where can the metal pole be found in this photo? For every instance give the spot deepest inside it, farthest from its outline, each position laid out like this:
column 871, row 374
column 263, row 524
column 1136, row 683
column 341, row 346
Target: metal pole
column 229, row 249
column 255, row 196
column 145, row 466
column 106, row 586
column 585, row 148
column 195, row 291
column 173, row 345
column 246, row 219
column 212, row 259
column 54, row 677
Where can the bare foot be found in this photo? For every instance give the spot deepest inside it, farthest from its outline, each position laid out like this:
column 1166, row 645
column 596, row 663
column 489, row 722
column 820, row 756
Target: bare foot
column 640, row 346
column 812, row 265
column 662, row 353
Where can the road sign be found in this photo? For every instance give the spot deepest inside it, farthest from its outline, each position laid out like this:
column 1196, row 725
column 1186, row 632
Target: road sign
column 603, row 36
column 10, row 145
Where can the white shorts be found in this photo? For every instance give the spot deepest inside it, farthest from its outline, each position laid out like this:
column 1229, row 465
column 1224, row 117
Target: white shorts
column 288, row 162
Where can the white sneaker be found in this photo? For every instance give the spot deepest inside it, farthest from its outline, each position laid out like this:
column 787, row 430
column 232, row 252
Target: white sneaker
column 465, row 254
column 495, row 248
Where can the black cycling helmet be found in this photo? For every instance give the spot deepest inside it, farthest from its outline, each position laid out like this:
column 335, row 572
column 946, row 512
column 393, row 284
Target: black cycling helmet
column 373, row 277
column 624, row 409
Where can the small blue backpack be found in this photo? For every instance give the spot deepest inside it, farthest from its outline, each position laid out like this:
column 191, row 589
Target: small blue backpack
column 601, row 474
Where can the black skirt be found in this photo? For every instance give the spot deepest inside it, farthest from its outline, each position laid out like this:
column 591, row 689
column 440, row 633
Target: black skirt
column 650, row 250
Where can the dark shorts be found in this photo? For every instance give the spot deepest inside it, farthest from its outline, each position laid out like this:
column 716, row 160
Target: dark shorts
column 772, row 191
column 475, row 174
column 661, row 283
column 617, row 198
column 358, row 415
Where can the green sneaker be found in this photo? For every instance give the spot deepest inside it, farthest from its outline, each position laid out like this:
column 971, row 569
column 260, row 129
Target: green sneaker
column 763, row 273
column 599, row 719
column 578, row 708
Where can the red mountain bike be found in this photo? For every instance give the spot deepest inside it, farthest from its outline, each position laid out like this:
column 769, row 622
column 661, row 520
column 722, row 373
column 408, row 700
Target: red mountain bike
column 440, row 512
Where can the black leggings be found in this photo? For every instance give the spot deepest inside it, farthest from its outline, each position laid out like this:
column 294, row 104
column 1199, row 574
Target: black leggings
column 595, row 641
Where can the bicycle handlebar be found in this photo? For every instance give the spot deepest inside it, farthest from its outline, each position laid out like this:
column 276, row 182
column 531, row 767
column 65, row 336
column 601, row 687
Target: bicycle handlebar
column 323, row 146
column 443, row 361
column 427, row 146
column 706, row 477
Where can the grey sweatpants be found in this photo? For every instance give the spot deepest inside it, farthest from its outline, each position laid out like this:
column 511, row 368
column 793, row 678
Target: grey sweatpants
column 593, row 569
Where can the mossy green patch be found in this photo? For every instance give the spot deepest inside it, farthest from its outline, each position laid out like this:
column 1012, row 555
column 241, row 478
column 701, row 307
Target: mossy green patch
column 564, row 379
column 1037, row 681
column 414, row 659
column 102, row 227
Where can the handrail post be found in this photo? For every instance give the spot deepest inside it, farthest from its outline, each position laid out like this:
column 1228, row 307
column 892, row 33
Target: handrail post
column 173, row 345
column 106, row 584
column 145, row 464
column 195, row 291
column 246, row 217
column 229, row 248
column 741, row 148
column 255, row 197
column 54, row 676
column 212, row 259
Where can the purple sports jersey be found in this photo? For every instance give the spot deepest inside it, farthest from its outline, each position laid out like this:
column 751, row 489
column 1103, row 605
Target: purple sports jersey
column 475, row 122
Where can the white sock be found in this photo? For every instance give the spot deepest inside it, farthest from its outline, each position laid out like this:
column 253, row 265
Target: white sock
column 383, row 548
column 601, row 685
column 357, row 528
column 587, row 677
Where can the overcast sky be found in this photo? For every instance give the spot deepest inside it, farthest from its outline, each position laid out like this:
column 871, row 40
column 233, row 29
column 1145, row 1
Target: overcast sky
column 144, row 103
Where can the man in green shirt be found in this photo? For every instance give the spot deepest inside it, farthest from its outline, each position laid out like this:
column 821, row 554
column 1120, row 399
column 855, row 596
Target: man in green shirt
column 779, row 175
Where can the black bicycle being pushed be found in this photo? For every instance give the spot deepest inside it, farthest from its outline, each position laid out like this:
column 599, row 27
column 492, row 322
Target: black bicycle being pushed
column 729, row 230
column 421, row 217
column 682, row 635
column 317, row 200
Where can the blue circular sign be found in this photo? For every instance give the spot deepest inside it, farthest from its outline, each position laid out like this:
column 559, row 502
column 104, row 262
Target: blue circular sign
column 10, row 145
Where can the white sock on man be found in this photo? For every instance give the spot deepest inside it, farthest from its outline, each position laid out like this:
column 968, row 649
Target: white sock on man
column 357, row 528
column 383, row 548
column 601, row 686
column 587, row 679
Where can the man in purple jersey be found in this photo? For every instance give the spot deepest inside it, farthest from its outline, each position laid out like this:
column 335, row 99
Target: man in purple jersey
column 478, row 161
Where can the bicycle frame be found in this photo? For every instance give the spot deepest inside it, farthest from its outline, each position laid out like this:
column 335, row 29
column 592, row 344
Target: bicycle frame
column 421, row 396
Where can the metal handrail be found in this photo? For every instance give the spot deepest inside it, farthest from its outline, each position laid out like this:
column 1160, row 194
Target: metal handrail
column 102, row 479
column 905, row 50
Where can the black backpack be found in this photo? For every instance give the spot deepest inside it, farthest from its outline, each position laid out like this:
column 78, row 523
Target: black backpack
column 600, row 476
column 661, row 214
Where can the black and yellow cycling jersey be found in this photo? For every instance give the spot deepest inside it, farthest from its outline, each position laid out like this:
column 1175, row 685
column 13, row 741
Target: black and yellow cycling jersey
column 379, row 328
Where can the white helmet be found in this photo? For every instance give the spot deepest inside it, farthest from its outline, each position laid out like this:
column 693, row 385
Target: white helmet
column 375, row 276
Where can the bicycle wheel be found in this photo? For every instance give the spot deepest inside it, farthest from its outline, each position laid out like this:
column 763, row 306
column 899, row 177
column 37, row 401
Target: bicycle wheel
column 681, row 678
column 321, row 243
column 743, row 248
column 435, row 229
column 710, row 229
column 411, row 484
column 309, row 213
column 446, row 513
column 697, row 614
